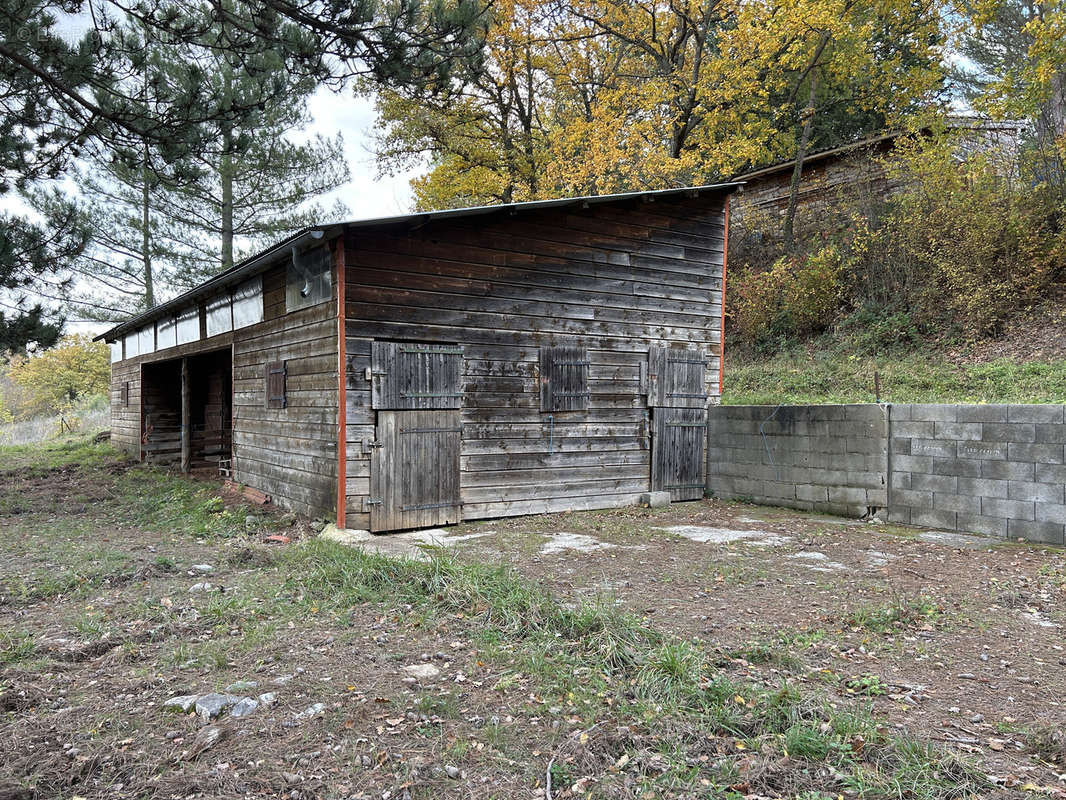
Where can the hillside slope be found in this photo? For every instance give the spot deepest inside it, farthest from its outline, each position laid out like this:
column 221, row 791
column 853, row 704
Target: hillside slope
column 1026, row 364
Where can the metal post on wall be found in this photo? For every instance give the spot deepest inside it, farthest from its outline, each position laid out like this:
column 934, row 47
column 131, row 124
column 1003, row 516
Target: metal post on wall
column 185, row 415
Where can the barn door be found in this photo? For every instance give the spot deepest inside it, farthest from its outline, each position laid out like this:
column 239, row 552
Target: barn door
column 675, row 381
column 414, row 470
column 677, row 463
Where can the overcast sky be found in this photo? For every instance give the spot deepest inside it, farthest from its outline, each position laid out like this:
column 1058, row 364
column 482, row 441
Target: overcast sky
column 353, row 117
column 366, row 195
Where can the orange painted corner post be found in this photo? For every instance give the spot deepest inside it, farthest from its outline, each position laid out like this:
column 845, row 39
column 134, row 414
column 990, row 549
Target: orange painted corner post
column 342, row 391
column 721, row 331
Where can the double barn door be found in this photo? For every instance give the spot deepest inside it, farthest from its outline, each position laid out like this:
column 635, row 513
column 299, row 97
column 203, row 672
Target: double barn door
column 416, row 390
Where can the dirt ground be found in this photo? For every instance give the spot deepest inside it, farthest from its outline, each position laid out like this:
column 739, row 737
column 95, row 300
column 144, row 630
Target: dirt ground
column 115, row 599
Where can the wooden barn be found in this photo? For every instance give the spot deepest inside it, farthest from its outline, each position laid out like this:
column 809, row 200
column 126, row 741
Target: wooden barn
column 424, row 369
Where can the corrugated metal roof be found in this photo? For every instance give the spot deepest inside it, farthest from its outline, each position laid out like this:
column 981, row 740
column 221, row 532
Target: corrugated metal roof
column 257, row 263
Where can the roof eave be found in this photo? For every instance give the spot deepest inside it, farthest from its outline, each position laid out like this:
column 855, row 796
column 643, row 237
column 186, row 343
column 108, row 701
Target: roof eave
column 250, row 266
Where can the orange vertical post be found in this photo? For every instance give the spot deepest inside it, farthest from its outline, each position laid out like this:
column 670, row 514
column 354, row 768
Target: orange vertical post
column 342, row 391
column 721, row 332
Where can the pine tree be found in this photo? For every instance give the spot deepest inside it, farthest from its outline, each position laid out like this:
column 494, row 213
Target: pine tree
column 252, row 182
column 61, row 95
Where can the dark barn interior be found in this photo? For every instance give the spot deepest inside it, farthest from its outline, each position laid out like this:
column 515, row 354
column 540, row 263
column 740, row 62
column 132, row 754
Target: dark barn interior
column 205, row 396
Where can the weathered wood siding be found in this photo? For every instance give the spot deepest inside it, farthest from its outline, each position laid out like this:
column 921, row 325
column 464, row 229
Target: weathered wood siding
column 616, row 279
column 126, row 406
column 288, row 453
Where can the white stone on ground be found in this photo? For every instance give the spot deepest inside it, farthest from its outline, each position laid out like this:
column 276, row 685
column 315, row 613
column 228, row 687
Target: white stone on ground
column 423, row 672
column 698, row 533
column 963, row 541
column 822, row 562
column 561, row 541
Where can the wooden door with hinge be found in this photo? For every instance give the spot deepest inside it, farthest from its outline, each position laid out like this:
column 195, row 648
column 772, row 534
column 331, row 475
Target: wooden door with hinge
column 417, row 393
column 414, row 470
column 674, row 380
column 677, row 459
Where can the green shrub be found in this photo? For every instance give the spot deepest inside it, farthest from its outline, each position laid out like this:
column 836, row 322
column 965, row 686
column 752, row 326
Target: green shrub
column 798, row 295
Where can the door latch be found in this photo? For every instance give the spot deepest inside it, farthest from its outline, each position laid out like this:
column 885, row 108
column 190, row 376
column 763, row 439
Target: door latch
column 370, row 444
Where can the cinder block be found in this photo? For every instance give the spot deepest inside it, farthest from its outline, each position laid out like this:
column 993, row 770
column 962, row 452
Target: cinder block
column 1046, row 532
column 933, row 447
column 1050, row 433
column 847, row 495
column 827, row 444
column 968, row 431
column 899, row 413
column 983, row 450
column 826, row 413
column 864, row 412
column 959, row 467
column 981, row 413
column 655, row 499
column 908, row 497
column 1011, row 509
column 1051, row 512
column 934, row 483
column 1050, row 473
column 877, row 497
column 867, row 480
column 1038, row 492
column 983, row 487
column 899, row 514
column 864, row 444
column 721, row 485
column 936, row 412
column 1043, row 453
column 852, row 462
column 1034, row 413
column 1007, row 470
column 779, row 491
column 977, row 523
column 912, row 430
column 901, row 446
column 945, row 501
column 812, row 493
column 901, row 480
column 933, row 519
column 1009, row 432
column 829, row 477
column 913, row 463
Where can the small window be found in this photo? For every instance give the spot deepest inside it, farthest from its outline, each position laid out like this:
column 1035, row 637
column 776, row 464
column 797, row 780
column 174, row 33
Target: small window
column 275, row 384
column 188, row 326
column 126, row 394
column 116, row 351
column 219, row 316
column 308, row 279
column 146, row 340
column 248, row 303
column 165, row 333
column 564, row 378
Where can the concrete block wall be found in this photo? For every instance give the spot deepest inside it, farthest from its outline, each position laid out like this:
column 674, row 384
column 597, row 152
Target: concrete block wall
column 831, row 458
column 993, row 469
